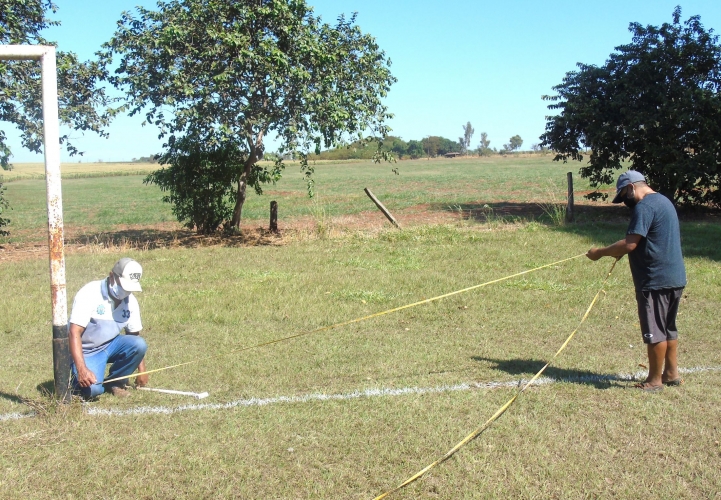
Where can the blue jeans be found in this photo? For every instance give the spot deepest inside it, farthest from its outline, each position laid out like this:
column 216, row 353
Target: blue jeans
column 125, row 352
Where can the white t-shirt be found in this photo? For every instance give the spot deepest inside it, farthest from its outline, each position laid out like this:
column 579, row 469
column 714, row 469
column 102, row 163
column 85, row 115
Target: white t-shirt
column 94, row 310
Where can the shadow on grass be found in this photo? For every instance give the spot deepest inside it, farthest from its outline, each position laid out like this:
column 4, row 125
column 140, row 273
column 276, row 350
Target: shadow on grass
column 605, row 224
column 529, row 367
column 699, row 236
column 11, row 397
column 46, row 388
column 150, row 239
column 484, row 212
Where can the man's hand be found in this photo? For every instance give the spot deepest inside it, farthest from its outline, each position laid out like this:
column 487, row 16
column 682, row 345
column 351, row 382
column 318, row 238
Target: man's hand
column 142, row 380
column 618, row 249
column 86, row 378
column 594, row 254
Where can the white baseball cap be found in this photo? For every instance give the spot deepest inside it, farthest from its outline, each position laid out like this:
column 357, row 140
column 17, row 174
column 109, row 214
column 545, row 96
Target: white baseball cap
column 129, row 273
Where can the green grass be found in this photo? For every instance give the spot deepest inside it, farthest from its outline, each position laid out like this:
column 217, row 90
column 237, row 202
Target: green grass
column 460, row 186
column 565, row 440
column 25, row 171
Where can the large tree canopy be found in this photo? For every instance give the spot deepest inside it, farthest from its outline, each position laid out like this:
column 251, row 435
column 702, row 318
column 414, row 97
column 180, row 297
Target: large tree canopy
column 655, row 103
column 228, row 73
column 79, row 96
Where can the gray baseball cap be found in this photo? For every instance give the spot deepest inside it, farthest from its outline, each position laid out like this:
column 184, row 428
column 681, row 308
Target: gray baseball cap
column 129, row 273
column 624, row 180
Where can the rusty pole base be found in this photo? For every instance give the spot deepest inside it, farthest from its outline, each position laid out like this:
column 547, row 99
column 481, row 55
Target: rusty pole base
column 61, row 363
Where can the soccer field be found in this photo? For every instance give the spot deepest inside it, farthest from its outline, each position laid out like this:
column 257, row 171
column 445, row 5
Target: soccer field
column 353, row 411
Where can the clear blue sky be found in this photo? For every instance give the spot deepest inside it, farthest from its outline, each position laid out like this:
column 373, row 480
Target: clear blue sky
column 486, row 62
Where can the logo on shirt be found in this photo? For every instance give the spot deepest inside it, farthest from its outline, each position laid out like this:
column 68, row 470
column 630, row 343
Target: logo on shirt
column 126, row 314
column 101, row 309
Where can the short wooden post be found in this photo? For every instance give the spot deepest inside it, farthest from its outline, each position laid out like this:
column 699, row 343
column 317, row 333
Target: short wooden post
column 274, row 216
column 569, row 203
column 382, row 208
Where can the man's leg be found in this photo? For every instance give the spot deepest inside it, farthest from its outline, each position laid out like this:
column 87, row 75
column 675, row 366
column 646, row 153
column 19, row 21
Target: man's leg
column 656, row 358
column 125, row 353
column 96, row 363
column 652, row 311
column 670, row 370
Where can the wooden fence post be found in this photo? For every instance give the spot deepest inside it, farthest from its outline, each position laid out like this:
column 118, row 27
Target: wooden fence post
column 569, row 203
column 274, row 216
column 382, row 208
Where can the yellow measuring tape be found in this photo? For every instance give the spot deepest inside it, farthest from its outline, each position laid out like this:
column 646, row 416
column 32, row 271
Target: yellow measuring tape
column 337, row 325
column 473, row 435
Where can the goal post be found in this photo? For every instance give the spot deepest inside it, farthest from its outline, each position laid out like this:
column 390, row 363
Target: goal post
column 45, row 54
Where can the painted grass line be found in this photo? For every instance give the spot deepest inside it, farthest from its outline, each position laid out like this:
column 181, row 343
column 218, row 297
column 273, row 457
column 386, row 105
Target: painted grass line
column 15, row 416
column 367, row 393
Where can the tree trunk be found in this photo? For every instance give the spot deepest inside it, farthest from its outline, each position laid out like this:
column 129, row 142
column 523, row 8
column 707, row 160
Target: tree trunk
column 241, row 193
column 669, row 189
column 256, row 153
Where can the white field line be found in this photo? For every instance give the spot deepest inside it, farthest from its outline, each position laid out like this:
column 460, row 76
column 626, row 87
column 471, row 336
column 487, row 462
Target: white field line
column 366, row 393
column 15, row 416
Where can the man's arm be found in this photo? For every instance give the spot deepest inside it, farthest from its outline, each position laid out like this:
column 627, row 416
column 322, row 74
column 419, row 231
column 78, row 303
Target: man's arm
column 86, row 378
column 141, row 380
column 618, row 249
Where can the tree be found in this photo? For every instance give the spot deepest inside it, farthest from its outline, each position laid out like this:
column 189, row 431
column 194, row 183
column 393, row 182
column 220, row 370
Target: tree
column 448, row 146
column 435, row 145
column 514, row 143
column 399, row 147
column 79, row 95
column 201, row 193
column 431, row 145
column 415, row 149
column 465, row 141
column 233, row 72
column 655, row 103
column 484, row 146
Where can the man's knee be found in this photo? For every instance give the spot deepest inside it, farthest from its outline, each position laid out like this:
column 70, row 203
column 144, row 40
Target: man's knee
column 137, row 344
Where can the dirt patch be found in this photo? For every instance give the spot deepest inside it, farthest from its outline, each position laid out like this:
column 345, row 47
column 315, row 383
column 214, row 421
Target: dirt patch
column 254, row 232
column 172, row 235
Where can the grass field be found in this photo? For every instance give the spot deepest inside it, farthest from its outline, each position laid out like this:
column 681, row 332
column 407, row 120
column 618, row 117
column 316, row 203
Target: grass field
column 582, row 437
column 445, row 187
column 28, row 171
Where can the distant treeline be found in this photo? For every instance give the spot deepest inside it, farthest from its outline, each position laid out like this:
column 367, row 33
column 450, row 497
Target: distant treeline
column 428, row 147
column 146, row 159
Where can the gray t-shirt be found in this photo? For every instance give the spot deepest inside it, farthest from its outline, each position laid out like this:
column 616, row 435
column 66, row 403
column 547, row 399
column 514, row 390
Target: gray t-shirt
column 656, row 263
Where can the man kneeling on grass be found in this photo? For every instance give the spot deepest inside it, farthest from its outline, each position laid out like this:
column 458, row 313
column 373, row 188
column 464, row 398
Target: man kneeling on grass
column 653, row 245
column 101, row 310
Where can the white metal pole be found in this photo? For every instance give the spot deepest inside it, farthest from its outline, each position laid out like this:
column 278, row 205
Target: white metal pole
column 61, row 351
column 51, row 132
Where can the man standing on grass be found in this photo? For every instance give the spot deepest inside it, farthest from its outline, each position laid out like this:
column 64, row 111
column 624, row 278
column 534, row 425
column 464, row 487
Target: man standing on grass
column 101, row 310
column 653, row 245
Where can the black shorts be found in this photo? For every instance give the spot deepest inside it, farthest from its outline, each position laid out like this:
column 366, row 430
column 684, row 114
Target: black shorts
column 657, row 311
